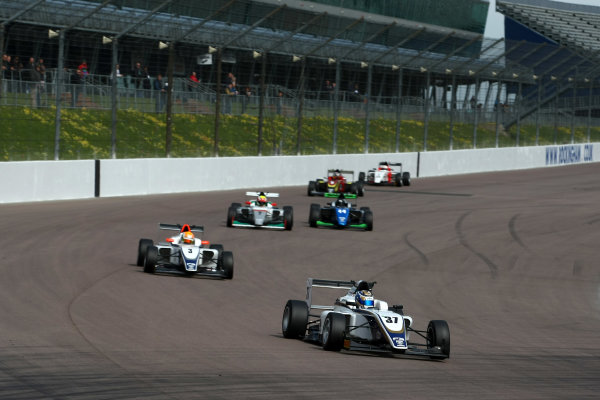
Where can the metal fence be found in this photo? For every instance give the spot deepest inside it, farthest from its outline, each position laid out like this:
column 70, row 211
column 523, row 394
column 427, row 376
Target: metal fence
column 429, row 84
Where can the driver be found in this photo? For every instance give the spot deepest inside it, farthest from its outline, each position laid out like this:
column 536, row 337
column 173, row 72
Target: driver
column 364, row 299
column 341, row 202
column 337, row 173
column 261, row 200
column 187, row 238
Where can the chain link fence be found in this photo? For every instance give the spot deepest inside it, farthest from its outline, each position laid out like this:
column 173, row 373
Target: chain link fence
column 181, row 79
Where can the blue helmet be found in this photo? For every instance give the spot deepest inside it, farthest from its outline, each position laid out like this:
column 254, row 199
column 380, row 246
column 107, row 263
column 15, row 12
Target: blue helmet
column 364, row 299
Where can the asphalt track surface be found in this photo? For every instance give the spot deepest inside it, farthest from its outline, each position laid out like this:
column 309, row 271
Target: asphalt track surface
column 509, row 259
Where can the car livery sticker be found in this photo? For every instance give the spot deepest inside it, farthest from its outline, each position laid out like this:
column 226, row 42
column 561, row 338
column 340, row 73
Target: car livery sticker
column 190, row 256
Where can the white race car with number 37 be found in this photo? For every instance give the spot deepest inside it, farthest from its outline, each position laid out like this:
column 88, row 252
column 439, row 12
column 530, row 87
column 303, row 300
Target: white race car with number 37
column 359, row 322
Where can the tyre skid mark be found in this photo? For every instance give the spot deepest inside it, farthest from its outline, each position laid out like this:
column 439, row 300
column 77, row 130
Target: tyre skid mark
column 421, row 255
column 89, row 342
column 463, row 241
column 513, row 231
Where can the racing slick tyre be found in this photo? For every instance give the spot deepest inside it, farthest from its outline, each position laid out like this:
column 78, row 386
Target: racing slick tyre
column 288, row 218
column 438, row 334
column 333, row 331
column 295, row 318
column 235, row 205
column 406, row 178
column 312, row 187
column 365, row 208
column 142, row 247
column 361, row 176
column 354, row 188
column 398, row 180
column 313, row 216
column 151, row 259
column 231, row 213
column 369, row 220
column 360, row 188
column 226, row 261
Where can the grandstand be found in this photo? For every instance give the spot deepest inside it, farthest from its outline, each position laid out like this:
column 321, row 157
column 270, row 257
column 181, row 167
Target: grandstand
column 419, row 60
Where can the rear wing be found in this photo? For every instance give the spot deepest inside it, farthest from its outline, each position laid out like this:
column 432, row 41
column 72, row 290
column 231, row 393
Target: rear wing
column 342, row 171
column 330, row 284
column 181, row 228
column 268, row 194
column 398, row 164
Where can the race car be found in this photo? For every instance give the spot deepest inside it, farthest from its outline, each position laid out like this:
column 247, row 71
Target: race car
column 185, row 254
column 357, row 321
column 260, row 213
column 336, row 182
column 387, row 173
column 340, row 214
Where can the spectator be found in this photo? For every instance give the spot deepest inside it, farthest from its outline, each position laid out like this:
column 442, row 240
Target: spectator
column 76, row 80
column 34, row 89
column 161, row 92
column 147, row 82
column 138, row 76
column 83, row 67
column 473, row 102
column 193, row 81
column 279, row 103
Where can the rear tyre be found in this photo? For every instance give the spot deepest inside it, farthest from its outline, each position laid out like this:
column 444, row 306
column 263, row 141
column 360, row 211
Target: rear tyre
column 142, row 247
column 288, row 218
column 312, row 187
column 361, row 176
column 333, row 331
column 313, row 216
column 235, row 205
column 295, row 319
column 369, row 220
column 406, row 178
column 231, row 213
column 151, row 259
column 354, row 188
column 438, row 335
column 227, row 264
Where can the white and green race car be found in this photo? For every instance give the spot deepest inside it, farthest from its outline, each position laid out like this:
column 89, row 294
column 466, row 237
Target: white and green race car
column 260, row 212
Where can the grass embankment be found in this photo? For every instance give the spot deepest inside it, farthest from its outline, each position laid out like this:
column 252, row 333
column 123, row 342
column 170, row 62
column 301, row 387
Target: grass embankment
column 28, row 134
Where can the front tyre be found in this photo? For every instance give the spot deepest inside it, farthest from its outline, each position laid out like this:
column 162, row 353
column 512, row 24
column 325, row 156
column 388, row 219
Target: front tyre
column 313, row 216
column 227, row 264
column 288, row 218
column 312, row 187
column 295, row 319
column 398, row 180
column 333, row 331
column 231, row 213
column 142, row 247
column 369, row 220
column 406, row 178
column 438, row 335
column 151, row 259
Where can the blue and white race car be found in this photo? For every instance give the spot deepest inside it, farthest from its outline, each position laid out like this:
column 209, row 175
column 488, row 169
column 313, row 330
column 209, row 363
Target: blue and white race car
column 358, row 321
column 340, row 214
column 185, row 254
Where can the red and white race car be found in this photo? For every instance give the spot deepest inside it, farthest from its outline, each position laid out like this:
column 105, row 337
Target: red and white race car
column 388, row 173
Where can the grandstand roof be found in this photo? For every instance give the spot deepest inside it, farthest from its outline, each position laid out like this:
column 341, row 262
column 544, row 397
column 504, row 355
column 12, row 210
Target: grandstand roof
column 571, row 25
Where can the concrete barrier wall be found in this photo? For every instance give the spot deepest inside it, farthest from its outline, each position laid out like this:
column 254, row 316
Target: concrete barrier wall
column 46, row 180
column 57, row 180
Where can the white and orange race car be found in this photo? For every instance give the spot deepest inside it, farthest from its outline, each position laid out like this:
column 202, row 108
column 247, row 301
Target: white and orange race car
column 185, row 253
